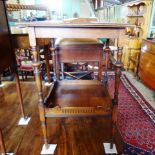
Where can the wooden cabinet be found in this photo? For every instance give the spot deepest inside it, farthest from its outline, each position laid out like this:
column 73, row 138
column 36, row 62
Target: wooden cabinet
column 152, row 25
column 139, row 13
column 6, row 53
column 147, row 63
column 131, row 48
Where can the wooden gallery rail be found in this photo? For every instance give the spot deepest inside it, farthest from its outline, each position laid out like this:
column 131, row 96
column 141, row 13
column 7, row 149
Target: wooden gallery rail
column 50, row 30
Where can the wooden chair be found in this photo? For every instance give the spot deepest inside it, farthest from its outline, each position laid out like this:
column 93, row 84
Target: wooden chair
column 134, row 58
column 80, row 98
column 24, row 62
column 21, row 45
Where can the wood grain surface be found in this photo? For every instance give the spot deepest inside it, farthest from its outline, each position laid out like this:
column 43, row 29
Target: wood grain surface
column 74, row 136
column 147, row 63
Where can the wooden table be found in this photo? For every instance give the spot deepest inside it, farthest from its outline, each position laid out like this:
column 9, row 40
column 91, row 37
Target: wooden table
column 51, row 30
column 48, row 29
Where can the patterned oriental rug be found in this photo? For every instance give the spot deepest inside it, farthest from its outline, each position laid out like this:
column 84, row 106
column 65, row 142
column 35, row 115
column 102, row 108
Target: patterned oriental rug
column 136, row 120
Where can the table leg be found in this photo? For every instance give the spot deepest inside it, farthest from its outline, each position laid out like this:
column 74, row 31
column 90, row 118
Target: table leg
column 46, row 49
column 54, row 58
column 38, row 77
column 19, row 92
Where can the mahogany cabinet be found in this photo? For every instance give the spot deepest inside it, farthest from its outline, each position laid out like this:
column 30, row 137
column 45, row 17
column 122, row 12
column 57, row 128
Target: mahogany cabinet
column 147, row 63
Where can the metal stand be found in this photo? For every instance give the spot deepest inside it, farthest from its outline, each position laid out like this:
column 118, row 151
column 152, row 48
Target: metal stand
column 50, row 150
column 108, row 149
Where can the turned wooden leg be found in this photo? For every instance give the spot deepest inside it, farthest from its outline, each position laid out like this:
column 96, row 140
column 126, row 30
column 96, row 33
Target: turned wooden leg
column 46, row 49
column 38, row 78
column 57, row 65
column 107, row 58
column 25, row 74
column 22, row 75
column 62, row 71
column 100, row 71
column 19, row 92
column 43, row 124
column 118, row 67
column 2, row 143
column 114, row 122
column 0, row 80
column 105, row 78
column 111, row 133
column 117, row 82
column 128, row 64
column 53, row 57
column 137, row 65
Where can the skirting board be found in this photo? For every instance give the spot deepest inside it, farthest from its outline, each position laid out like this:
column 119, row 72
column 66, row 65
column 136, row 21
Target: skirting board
column 108, row 150
column 24, row 121
column 50, row 149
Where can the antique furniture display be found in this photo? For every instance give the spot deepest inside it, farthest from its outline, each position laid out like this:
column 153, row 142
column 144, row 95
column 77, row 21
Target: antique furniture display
column 138, row 13
column 147, row 63
column 66, row 92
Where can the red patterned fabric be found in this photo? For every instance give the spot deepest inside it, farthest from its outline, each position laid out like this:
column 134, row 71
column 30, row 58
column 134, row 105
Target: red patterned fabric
column 136, row 118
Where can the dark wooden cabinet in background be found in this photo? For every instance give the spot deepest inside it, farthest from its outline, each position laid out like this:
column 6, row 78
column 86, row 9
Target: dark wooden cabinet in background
column 6, row 53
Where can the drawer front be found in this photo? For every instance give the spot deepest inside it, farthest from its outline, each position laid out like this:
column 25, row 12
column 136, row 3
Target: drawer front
column 148, row 46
